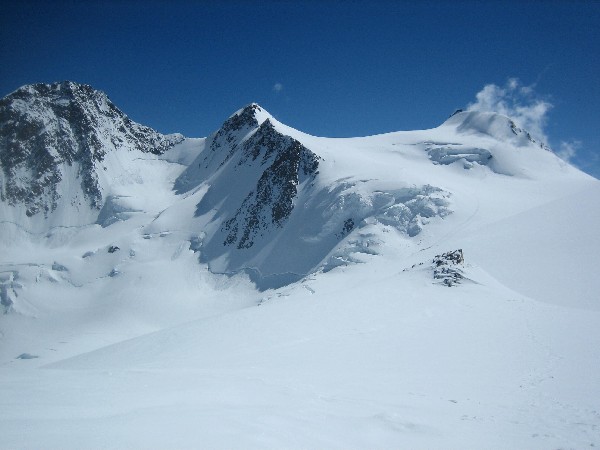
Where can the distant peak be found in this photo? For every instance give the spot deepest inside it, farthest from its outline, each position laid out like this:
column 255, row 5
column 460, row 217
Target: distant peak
column 492, row 124
column 45, row 128
column 42, row 88
column 58, row 91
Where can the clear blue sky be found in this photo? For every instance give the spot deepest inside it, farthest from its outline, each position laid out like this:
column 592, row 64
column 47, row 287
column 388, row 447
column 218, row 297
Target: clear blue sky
column 328, row 68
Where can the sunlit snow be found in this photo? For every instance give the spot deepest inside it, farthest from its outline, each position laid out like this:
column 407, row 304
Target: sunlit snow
column 136, row 326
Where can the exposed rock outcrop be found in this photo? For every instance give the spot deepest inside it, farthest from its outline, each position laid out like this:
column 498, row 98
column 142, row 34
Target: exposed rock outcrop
column 447, row 267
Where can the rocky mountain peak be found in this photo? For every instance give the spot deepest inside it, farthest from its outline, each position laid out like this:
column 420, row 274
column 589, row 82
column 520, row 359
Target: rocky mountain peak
column 272, row 165
column 251, row 113
column 235, row 130
column 45, row 129
column 55, row 92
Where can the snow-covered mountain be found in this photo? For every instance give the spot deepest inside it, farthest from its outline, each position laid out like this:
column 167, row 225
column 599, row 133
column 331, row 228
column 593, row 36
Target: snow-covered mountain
column 126, row 251
column 56, row 142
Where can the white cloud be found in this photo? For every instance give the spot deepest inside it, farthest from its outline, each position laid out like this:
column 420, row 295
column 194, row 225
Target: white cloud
column 568, row 150
column 521, row 103
column 277, row 87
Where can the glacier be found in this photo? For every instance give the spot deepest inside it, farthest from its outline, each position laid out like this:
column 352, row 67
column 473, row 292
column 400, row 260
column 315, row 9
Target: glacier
column 264, row 288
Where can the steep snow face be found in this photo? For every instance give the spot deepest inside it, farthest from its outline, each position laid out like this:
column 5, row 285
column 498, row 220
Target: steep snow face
column 54, row 142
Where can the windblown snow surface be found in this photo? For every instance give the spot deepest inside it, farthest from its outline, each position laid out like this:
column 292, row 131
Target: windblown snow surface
column 330, row 331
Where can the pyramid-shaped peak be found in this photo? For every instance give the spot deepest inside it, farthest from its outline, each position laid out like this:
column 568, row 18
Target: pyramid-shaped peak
column 252, row 113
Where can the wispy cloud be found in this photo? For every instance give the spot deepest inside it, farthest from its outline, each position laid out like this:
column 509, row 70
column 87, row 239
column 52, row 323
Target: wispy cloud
column 568, row 150
column 277, row 87
column 521, row 103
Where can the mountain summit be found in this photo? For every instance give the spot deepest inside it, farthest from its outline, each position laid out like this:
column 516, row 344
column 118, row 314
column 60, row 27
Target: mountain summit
column 492, row 124
column 54, row 143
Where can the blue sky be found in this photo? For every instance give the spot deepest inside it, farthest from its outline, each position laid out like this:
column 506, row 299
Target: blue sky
column 328, row 68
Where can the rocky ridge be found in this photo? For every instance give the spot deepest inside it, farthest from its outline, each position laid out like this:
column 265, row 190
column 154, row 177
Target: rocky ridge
column 47, row 130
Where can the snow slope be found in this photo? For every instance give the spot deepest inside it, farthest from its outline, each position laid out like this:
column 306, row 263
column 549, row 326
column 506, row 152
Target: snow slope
column 317, row 323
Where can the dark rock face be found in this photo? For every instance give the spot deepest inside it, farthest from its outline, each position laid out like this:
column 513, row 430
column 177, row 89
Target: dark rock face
column 287, row 163
column 227, row 139
column 346, row 228
column 45, row 127
column 446, row 267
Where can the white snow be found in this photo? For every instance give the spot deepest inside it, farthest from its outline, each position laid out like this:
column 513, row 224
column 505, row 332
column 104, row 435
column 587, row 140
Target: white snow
column 144, row 347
